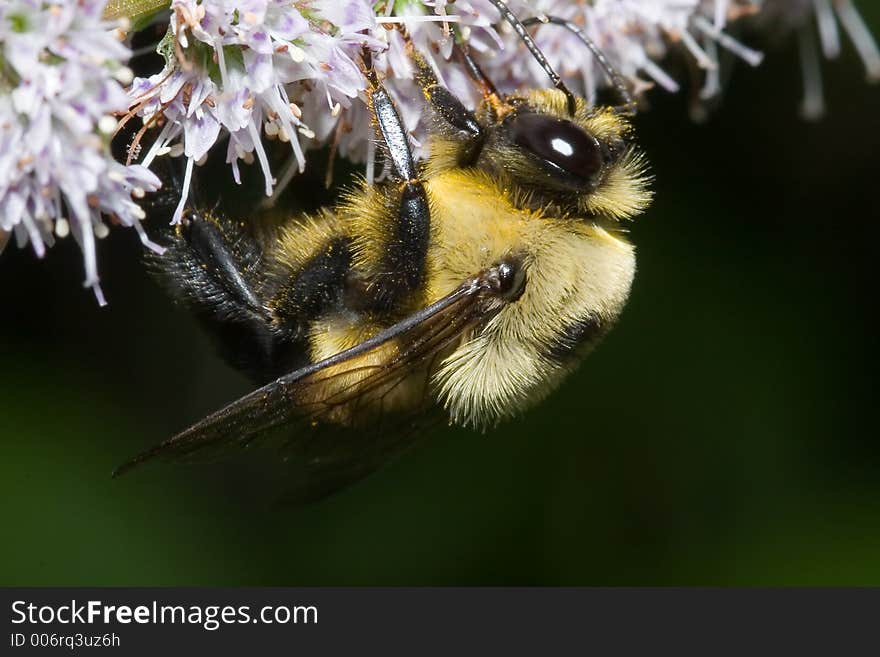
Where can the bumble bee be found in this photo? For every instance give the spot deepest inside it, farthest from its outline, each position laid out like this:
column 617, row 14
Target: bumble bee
column 466, row 286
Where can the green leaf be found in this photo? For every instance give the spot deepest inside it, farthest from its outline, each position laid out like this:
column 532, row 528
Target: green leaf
column 139, row 12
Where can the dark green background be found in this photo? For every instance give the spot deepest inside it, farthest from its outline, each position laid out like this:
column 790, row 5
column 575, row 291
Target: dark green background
column 725, row 433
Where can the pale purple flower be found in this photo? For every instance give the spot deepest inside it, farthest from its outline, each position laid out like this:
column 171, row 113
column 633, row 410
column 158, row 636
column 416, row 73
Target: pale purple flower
column 634, row 35
column 818, row 25
column 290, row 71
column 246, row 71
column 237, row 71
column 59, row 87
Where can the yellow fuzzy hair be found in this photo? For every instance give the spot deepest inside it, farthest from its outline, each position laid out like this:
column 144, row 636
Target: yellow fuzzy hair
column 300, row 239
column 575, row 269
column 578, row 269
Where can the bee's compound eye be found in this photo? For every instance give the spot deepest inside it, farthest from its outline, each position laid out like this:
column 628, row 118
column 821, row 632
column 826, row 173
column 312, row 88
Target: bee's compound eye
column 560, row 142
column 511, row 280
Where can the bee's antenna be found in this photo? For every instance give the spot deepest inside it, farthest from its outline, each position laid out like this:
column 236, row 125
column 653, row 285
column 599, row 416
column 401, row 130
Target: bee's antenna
column 629, row 106
column 527, row 39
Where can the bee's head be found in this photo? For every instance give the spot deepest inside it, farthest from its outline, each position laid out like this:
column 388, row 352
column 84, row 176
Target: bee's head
column 582, row 163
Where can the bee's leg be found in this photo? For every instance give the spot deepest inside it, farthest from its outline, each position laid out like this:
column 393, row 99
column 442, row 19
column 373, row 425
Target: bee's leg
column 402, row 269
column 208, row 266
column 443, row 101
column 457, row 122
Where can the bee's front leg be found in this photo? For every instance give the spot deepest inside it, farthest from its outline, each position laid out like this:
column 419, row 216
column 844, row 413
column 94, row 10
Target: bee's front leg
column 455, row 122
column 445, row 104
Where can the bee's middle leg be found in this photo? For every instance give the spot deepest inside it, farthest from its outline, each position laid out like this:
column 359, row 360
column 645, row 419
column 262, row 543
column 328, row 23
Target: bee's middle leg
column 402, row 270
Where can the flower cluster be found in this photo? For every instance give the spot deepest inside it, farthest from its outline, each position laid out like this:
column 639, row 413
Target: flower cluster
column 798, row 16
column 248, row 70
column 272, row 69
column 61, row 75
column 230, row 67
column 240, row 72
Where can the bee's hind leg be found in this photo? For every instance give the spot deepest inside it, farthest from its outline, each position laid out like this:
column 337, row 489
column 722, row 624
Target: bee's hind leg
column 209, row 266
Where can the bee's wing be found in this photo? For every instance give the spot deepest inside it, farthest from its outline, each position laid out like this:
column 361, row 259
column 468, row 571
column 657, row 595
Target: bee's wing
column 353, row 382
